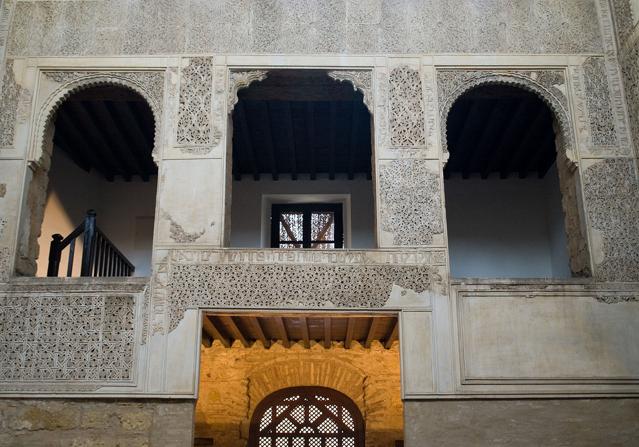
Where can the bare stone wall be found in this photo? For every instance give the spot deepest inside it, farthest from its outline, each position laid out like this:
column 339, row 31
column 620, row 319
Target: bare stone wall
column 523, row 423
column 233, row 381
column 67, row 422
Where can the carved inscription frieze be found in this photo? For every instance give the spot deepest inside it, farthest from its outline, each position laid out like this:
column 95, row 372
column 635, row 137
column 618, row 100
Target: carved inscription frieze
column 406, row 108
column 611, row 193
column 288, row 278
column 194, row 116
column 410, row 202
column 66, row 337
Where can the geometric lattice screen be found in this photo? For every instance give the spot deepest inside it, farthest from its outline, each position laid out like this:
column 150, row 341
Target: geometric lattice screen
column 307, row 417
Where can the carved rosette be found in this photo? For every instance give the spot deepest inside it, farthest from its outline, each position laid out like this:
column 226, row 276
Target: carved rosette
column 242, row 79
column 361, row 80
column 549, row 85
column 148, row 83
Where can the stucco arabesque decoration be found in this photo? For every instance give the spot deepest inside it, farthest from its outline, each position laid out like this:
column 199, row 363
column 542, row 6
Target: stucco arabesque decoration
column 242, row 79
column 148, row 83
column 191, row 279
column 70, row 341
column 194, row 130
column 547, row 84
column 361, row 80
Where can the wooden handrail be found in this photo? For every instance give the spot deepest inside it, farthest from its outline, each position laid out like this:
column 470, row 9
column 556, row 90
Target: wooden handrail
column 100, row 257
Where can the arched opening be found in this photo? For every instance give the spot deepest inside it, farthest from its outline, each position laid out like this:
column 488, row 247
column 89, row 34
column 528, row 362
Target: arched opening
column 511, row 193
column 301, row 170
column 90, row 202
column 307, row 417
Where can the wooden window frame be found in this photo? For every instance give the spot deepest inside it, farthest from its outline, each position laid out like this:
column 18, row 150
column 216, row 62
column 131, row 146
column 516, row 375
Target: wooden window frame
column 277, row 209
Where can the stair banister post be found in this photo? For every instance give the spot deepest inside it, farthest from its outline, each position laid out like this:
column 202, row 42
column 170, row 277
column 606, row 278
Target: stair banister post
column 88, row 248
column 54, row 255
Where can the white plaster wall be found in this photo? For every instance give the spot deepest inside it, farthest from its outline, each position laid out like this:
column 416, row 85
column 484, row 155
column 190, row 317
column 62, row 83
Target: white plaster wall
column 125, row 212
column 511, row 228
column 246, row 210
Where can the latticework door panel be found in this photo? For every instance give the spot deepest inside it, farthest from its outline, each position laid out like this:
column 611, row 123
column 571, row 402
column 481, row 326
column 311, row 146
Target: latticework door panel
column 307, row 417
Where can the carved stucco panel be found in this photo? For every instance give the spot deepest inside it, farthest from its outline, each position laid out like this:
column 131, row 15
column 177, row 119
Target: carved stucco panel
column 410, row 202
column 611, row 194
column 382, row 139
column 9, row 97
column 549, row 85
column 66, row 338
column 406, row 108
column 188, row 279
column 630, row 71
column 606, row 108
column 194, row 115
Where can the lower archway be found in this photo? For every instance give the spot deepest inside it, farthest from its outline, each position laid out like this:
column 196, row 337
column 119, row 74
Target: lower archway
column 307, row 417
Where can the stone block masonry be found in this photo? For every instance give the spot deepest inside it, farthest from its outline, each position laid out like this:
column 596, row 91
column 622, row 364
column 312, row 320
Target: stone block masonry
column 104, row 423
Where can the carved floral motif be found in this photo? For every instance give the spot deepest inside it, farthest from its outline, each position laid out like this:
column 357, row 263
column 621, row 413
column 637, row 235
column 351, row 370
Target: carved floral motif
column 194, row 117
column 9, row 97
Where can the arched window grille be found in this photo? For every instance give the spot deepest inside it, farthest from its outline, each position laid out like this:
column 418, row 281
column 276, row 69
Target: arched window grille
column 307, row 417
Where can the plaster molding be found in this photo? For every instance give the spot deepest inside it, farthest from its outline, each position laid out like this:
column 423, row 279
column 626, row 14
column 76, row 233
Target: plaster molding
column 147, row 83
column 361, row 80
column 239, row 80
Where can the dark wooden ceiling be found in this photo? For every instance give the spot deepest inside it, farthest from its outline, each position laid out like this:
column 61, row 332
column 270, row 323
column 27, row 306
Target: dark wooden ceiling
column 301, row 122
column 500, row 130
column 289, row 329
column 107, row 129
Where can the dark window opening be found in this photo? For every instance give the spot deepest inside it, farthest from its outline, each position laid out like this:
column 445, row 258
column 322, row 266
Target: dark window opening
column 308, row 225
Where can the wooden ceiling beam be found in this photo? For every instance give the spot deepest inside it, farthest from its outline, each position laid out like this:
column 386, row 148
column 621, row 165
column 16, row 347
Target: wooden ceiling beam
column 257, row 327
column 531, row 136
column 240, row 115
column 328, row 336
column 494, row 120
column 79, row 157
column 290, row 139
column 305, row 334
column 540, row 163
column 236, row 331
column 464, row 146
column 133, row 129
column 268, row 141
column 279, row 321
column 332, row 140
column 66, row 123
column 312, row 143
column 84, row 114
column 371, row 332
column 350, row 328
column 125, row 150
column 209, row 327
column 392, row 336
column 516, row 119
column 352, row 149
